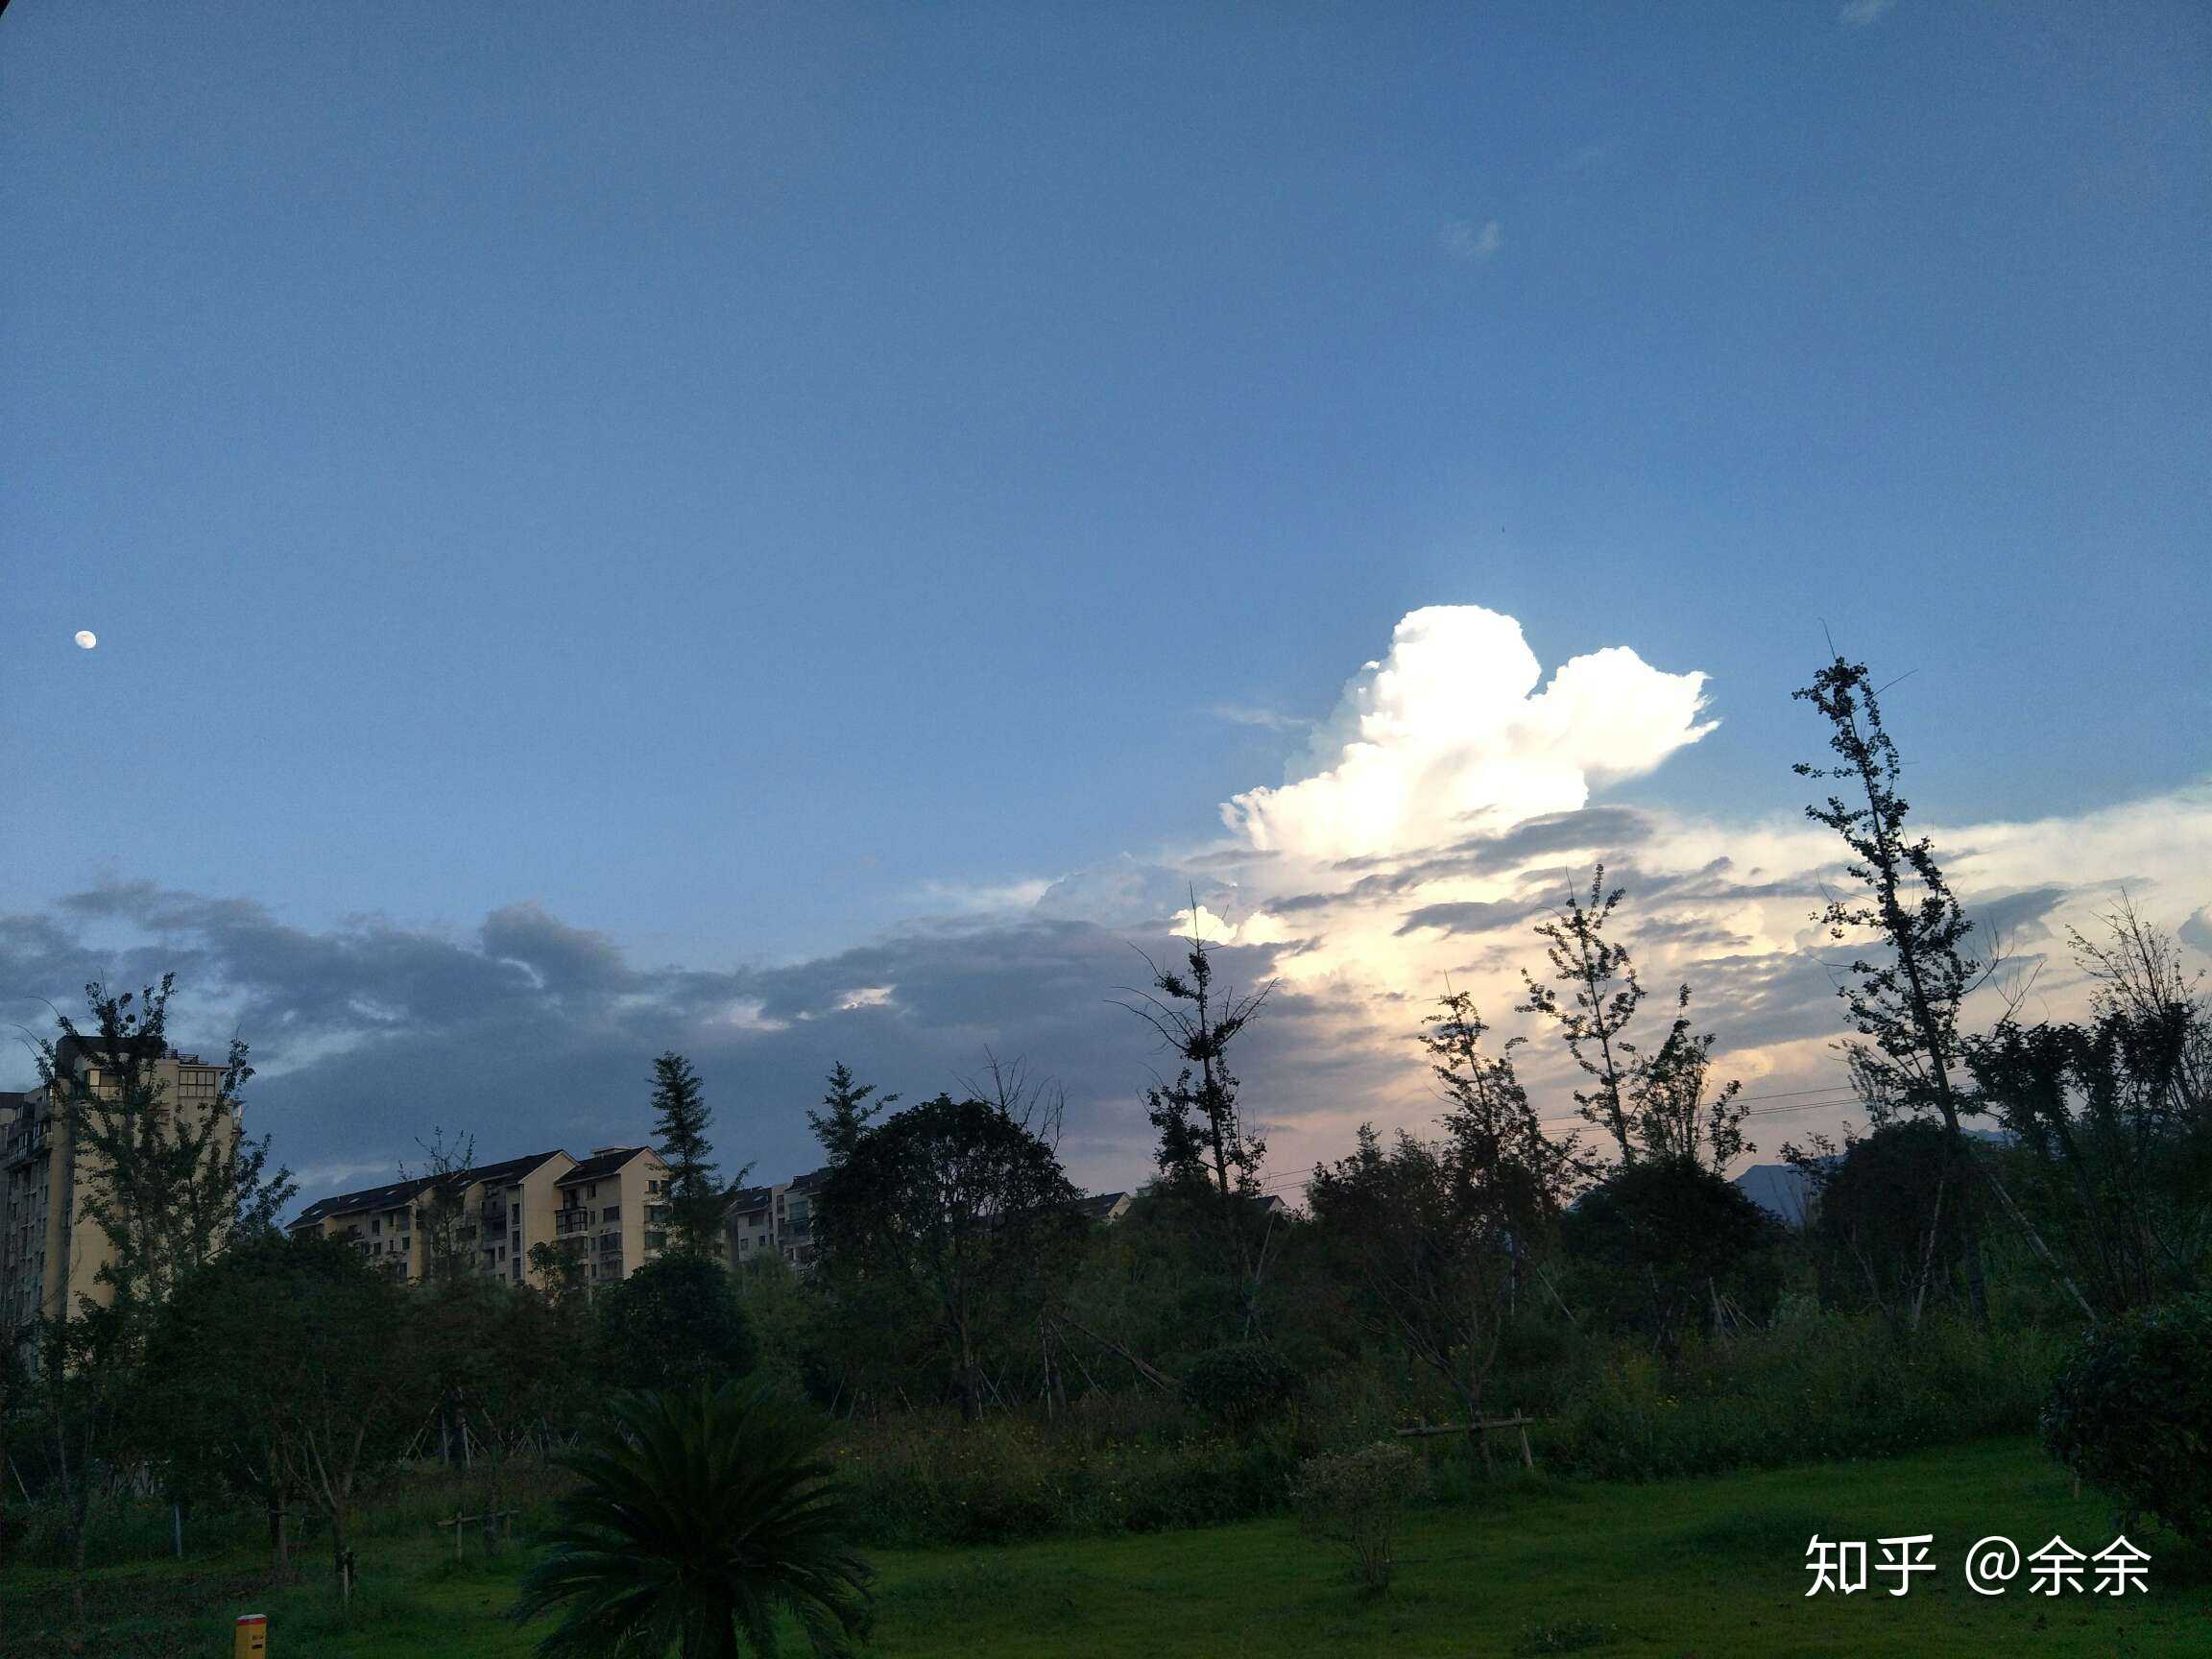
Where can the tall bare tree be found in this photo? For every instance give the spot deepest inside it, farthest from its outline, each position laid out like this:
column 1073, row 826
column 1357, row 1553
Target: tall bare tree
column 1905, row 990
column 1203, row 1150
column 1601, row 1002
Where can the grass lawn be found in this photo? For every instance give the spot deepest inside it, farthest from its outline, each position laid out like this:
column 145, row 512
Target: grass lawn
column 1707, row 1566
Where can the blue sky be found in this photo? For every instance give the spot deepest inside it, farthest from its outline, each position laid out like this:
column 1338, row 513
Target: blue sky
column 737, row 477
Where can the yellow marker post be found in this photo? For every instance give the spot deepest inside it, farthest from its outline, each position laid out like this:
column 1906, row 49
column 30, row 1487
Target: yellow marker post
column 252, row 1640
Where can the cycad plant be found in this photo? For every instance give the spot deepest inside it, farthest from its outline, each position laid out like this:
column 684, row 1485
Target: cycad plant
column 703, row 1518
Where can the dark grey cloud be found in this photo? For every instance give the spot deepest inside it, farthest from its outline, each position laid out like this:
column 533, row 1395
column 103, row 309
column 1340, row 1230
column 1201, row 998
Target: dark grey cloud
column 1474, row 916
column 532, row 1032
column 2012, row 919
column 1607, row 834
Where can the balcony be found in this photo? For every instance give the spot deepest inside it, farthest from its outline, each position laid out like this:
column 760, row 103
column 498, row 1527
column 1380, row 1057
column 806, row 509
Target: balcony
column 576, row 1220
column 495, row 1218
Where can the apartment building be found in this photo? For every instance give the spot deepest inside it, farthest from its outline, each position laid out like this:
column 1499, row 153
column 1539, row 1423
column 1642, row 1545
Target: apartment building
column 1104, row 1207
column 612, row 1215
column 779, row 1223
column 503, row 1209
column 775, row 1223
column 51, row 1253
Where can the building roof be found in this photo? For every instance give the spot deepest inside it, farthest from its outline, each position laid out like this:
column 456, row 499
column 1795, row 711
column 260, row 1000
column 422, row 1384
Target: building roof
column 94, row 1048
column 750, row 1198
column 1098, row 1205
column 511, row 1170
column 398, row 1192
column 600, row 1165
column 812, row 1181
column 388, row 1197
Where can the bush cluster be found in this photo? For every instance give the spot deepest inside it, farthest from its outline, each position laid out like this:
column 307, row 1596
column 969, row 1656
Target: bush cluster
column 2131, row 1414
column 1824, row 1387
column 1354, row 1500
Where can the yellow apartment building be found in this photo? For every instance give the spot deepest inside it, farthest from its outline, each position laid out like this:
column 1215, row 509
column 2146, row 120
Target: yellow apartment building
column 614, row 1212
column 607, row 1211
column 51, row 1253
column 505, row 1208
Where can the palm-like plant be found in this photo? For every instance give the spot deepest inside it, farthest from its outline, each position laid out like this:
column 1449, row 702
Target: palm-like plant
column 702, row 1517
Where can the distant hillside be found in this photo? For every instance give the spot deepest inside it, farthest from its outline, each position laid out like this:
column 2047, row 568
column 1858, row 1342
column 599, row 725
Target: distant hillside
column 1776, row 1189
column 1782, row 1192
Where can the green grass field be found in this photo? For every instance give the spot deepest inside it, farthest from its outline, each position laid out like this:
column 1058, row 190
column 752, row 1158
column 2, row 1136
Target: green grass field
column 1709, row 1567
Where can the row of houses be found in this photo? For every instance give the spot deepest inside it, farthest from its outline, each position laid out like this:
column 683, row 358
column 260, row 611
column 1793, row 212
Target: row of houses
column 607, row 1213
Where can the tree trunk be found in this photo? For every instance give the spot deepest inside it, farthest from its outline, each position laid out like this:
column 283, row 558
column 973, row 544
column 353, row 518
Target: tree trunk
column 77, row 1530
column 971, row 1381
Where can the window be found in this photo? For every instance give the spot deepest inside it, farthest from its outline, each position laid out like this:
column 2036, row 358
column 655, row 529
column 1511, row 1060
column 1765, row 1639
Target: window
column 196, row 1085
column 612, row 1212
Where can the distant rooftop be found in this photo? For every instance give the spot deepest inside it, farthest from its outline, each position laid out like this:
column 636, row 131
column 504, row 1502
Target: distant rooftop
column 396, row 1193
column 600, row 1165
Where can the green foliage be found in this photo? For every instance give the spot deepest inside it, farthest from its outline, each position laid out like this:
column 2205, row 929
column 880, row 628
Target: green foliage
column 1604, row 996
column 848, row 1107
column 1241, row 1384
column 168, row 1183
column 1553, row 1562
column 1824, row 1385
column 1112, row 1464
column 703, row 1518
column 1660, row 1243
column 675, row 1323
column 2113, row 1118
column 284, row 1371
column 1202, row 1137
column 2131, row 1414
column 1354, row 1500
column 1905, row 1001
column 1564, row 1636
column 681, row 1118
column 1441, row 1234
column 1888, row 1229
column 956, row 1209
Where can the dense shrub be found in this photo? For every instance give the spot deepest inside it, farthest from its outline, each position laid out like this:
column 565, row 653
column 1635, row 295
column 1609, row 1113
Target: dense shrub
column 1354, row 1500
column 1241, row 1384
column 2131, row 1414
column 1871, row 1215
column 675, row 1323
column 1825, row 1386
column 1116, row 1463
column 1662, row 1241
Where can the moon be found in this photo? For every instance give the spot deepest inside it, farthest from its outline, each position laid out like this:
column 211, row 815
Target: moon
column 86, row 638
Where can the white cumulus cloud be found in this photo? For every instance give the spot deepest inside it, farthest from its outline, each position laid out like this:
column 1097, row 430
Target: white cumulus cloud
column 1448, row 736
column 1476, row 244
column 1859, row 13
